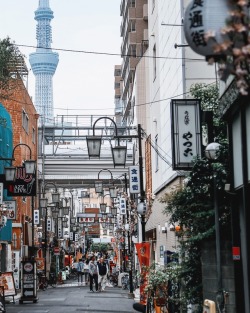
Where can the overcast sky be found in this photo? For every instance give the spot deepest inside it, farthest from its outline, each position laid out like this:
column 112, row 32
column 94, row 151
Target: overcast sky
column 82, row 81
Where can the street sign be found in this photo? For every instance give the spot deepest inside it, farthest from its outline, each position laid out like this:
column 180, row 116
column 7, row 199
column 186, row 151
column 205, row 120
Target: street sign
column 1, row 193
column 28, row 281
column 36, row 217
column 10, row 207
column 56, row 251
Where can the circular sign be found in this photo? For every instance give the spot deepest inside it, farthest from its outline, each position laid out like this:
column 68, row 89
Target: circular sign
column 28, row 267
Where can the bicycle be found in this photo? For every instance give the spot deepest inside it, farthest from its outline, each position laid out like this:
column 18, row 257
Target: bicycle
column 113, row 280
column 42, row 282
column 52, row 280
column 125, row 282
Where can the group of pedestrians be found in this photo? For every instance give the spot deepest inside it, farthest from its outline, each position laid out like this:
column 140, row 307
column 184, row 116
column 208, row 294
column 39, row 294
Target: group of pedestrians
column 98, row 272
column 83, row 271
column 95, row 270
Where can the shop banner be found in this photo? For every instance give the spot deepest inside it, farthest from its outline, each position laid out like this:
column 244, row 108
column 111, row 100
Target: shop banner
column 143, row 253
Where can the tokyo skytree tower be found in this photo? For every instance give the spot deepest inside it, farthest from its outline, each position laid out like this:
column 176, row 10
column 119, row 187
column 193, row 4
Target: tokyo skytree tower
column 44, row 63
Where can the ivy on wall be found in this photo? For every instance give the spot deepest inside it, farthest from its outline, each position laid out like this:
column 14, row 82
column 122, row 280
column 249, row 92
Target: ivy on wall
column 191, row 205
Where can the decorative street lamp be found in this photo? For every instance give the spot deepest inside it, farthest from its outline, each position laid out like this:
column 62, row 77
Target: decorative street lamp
column 212, row 153
column 66, row 210
column 114, row 211
column 30, row 165
column 119, row 152
column 103, row 207
column 99, row 184
column 113, row 192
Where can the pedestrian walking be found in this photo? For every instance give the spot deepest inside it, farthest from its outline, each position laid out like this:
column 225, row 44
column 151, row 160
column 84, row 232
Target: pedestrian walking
column 86, row 271
column 93, row 274
column 80, row 268
column 102, row 269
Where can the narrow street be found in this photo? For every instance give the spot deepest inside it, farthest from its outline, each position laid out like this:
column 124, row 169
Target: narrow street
column 72, row 298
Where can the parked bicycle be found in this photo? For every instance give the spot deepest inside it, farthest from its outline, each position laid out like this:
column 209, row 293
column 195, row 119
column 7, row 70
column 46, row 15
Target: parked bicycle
column 43, row 282
column 52, row 279
column 125, row 281
column 113, row 279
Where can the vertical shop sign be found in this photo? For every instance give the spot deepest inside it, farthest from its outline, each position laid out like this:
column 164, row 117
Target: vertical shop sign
column 186, row 132
column 134, row 179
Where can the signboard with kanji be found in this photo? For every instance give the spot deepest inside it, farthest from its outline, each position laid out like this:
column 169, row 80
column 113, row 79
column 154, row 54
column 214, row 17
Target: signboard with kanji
column 24, row 185
column 134, row 179
column 86, row 220
column 123, row 206
column 10, row 207
column 186, row 132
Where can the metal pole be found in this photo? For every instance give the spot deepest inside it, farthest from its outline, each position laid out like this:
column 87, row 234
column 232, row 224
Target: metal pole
column 45, row 243
column 219, row 296
column 131, row 289
column 32, row 225
column 142, row 192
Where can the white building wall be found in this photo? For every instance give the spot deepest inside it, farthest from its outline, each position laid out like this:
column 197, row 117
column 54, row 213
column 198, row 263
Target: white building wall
column 176, row 70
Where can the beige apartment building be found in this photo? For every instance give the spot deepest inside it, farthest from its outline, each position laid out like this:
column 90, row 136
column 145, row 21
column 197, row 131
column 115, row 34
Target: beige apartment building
column 134, row 33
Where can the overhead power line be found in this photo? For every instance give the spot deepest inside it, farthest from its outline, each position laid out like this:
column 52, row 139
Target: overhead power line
column 109, row 53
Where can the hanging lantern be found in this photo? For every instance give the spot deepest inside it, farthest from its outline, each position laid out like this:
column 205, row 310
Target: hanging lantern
column 98, row 186
column 10, row 173
column 119, row 154
column 203, row 18
column 94, row 146
column 30, row 166
column 66, row 210
column 103, row 207
column 43, row 202
column 113, row 192
column 113, row 211
column 55, row 197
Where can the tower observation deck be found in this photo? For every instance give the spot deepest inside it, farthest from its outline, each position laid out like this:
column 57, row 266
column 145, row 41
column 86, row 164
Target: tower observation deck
column 44, row 63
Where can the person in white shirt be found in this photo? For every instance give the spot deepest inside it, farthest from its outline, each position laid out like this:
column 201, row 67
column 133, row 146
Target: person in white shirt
column 93, row 274
column 102, row 269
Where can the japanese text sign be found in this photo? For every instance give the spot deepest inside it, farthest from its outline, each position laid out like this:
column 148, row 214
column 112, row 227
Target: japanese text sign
column 10, row 207
column 186, row 132
column 134, row 179
column 123, row 206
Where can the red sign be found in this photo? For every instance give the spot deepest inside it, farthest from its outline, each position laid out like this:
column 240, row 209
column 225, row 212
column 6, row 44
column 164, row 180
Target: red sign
column 143, row 253
column 56, row 251
column 236, row 253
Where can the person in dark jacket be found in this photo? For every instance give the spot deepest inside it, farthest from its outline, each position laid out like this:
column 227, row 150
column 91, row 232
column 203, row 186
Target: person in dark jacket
column 80, row 273
column 93, row 274
column 102, row 269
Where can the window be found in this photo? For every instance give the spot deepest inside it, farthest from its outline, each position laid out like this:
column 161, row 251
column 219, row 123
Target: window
column 156, row 154
column 154, row 60
column 117, row 72
column 33, row 135
column 117, row 85
column 25, row 122
column 133, row 50
column 133, row 25
column 132, row 3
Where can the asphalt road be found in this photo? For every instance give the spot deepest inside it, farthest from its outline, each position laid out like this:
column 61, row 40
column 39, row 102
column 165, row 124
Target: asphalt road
column 72, row 298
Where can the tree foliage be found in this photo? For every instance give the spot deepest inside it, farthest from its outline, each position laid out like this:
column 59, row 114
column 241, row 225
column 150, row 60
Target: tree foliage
column 11, row 66
column 191, row 206
column 233, row 54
